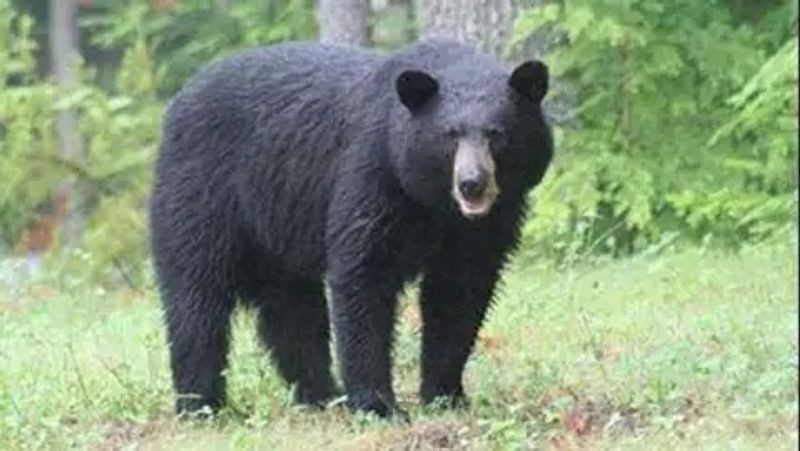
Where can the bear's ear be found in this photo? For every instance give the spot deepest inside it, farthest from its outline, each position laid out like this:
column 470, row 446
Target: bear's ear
column 415, row 88
column 530, row 79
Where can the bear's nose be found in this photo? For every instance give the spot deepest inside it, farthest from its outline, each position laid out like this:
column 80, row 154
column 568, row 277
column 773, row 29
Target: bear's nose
column 474, row 186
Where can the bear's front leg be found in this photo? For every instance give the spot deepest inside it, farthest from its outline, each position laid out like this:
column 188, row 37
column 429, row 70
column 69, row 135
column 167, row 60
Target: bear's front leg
column 363, row 313
column 363, row 241
column 455, row 293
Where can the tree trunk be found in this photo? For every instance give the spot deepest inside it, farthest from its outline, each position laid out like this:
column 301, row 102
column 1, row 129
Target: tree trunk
column 344, row 22
column 64, row 54
column 485, row 23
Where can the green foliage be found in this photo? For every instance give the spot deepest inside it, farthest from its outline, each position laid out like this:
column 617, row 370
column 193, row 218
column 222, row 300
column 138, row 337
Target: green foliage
column 198, row 31
column 687, row 124
column 26, row 127
column 120, row 134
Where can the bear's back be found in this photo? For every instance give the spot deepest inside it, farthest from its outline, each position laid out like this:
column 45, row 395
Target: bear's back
column 259, row 132
column 245, row 91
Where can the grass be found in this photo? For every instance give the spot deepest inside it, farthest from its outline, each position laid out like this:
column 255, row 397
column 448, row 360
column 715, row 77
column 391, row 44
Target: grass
column 688, row 350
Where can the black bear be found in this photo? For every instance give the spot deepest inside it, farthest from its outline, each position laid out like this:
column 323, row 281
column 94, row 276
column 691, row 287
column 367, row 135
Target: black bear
column 286, row 168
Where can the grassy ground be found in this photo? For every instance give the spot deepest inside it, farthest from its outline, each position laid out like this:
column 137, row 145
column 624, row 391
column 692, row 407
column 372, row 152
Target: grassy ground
column 670, row 352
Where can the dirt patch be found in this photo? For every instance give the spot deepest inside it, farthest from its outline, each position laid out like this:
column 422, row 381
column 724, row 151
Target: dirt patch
column 122, row 434
column 435, row 435
column 585, row 419
column 422, row 436
column 770, row 427
column 592, row 416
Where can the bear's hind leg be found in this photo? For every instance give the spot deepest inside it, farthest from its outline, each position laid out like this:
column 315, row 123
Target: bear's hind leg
column 293, row 324
column 198, row 328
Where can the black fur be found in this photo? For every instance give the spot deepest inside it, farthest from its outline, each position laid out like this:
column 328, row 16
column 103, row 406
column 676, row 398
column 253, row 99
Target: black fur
column 285, row 167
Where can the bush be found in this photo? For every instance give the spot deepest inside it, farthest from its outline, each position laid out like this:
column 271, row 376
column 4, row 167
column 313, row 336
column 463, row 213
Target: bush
column 26, row 127
column 120, row 131
column 688, row 126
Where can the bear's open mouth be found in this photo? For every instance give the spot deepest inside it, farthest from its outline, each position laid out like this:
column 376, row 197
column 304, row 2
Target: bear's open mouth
column 475, row 208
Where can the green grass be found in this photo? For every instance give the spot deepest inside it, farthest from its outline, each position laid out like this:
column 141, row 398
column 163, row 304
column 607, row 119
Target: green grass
column 680, row 351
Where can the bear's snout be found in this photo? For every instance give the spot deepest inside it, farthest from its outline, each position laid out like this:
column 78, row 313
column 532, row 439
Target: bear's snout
column 474, row 185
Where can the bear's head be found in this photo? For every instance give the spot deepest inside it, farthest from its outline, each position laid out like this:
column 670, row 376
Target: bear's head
column 467, row 134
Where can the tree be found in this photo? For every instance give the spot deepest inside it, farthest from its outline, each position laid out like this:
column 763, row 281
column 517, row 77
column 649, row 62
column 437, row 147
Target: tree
column 64, row 55
column 488, row 24
column 344, row 22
